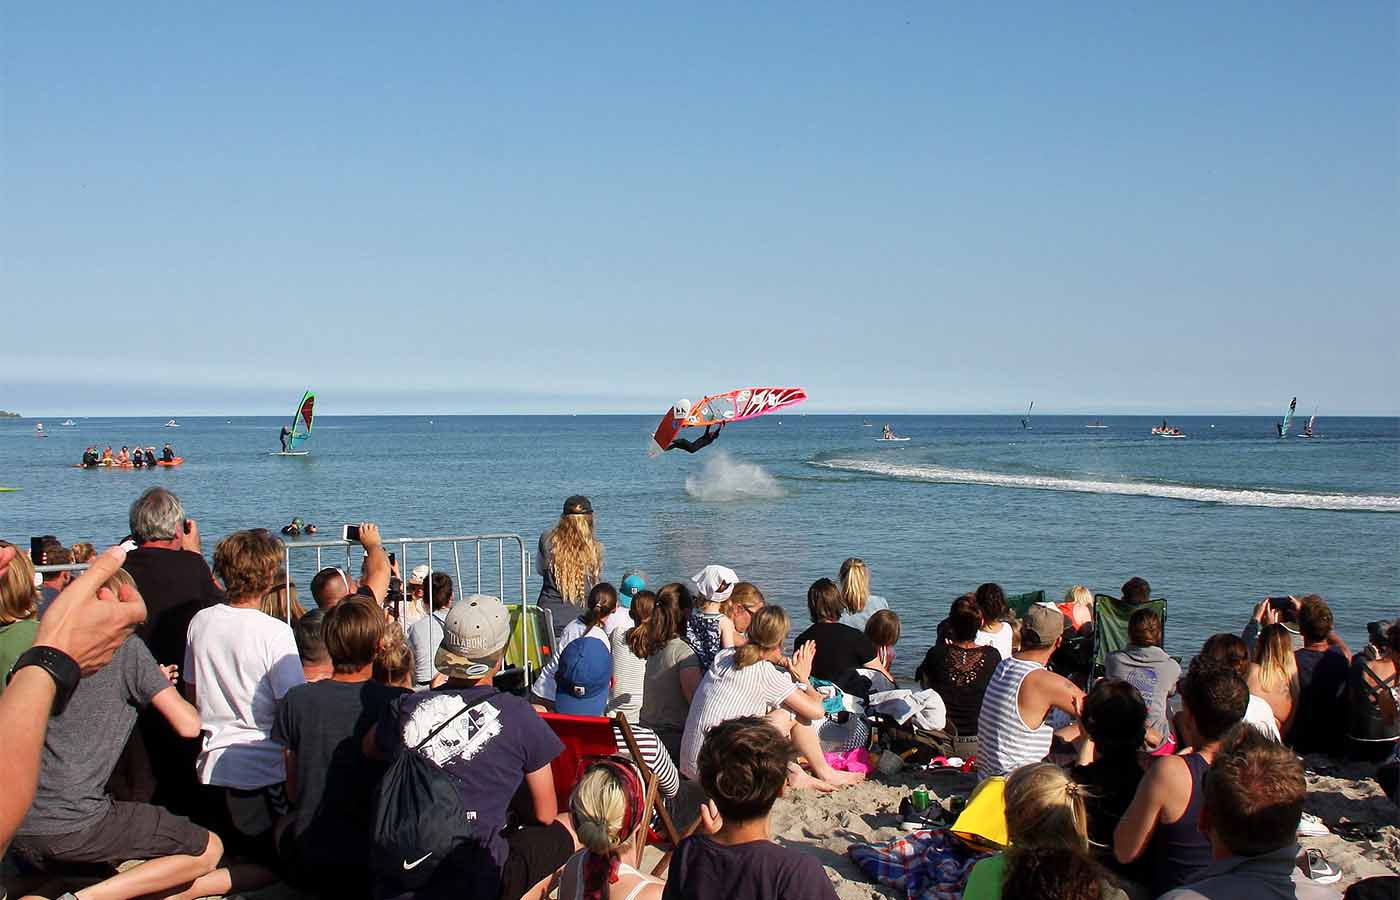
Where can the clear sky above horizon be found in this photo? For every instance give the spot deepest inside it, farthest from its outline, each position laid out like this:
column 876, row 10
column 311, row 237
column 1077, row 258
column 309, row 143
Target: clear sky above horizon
column 602, row 207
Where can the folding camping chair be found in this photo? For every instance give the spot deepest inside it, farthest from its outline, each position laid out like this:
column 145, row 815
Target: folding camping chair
column 531, row 637
column 1111, row 625
column 1020, row 604
column 588, row 737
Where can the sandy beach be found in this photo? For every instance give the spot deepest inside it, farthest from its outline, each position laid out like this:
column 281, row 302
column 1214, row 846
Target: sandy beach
column 827, row 825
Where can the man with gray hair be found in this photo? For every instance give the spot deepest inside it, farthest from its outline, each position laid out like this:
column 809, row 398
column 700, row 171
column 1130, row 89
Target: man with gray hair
column 175, row 581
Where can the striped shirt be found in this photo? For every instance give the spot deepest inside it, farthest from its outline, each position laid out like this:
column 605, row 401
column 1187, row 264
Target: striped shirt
column 654, row 755
column 1004, row 742
column 728, row 692
column 629, row 678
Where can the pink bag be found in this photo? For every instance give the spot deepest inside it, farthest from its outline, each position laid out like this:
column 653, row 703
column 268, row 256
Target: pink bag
column 857, row 760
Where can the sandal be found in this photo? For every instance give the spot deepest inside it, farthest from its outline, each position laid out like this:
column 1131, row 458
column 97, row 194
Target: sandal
column 1315, row 865
column 1357, row 831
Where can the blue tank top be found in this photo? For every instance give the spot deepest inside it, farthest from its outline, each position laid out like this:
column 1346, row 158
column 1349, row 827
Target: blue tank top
column 1179, row 852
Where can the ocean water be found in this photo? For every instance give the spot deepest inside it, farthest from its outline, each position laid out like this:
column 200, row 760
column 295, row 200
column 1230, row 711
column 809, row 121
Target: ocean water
column 1215, row 521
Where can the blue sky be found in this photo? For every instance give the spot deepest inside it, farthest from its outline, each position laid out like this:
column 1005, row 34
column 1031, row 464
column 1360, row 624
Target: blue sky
column 600, row 207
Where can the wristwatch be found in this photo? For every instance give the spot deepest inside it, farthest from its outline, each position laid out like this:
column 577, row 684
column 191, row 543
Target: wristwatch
column 61, row 668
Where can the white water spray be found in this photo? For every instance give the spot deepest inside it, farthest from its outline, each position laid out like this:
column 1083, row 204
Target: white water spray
column 723, row 478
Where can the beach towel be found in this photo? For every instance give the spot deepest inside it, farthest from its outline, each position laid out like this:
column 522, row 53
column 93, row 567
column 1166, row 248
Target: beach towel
column 926, row 865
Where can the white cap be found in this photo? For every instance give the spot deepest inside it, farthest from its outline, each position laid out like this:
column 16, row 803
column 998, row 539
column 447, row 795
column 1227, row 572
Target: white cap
column 419, row 574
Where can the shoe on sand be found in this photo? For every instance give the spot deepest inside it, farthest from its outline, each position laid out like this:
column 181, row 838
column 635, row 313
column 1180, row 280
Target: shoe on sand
column 1312, row 826
column 1315, row 865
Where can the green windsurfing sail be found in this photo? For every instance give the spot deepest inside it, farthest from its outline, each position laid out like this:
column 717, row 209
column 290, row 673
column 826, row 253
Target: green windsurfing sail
column 301, row 421
column 1287, row 422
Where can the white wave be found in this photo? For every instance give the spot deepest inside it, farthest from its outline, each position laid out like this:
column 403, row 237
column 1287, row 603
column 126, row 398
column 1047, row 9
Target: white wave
column 1199, row 494
column 722, row 478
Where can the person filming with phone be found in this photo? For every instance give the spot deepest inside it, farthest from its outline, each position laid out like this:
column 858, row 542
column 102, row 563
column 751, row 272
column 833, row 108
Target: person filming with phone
column 331, row 585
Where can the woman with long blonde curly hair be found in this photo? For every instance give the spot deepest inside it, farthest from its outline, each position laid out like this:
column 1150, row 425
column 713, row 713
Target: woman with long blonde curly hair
column 570, row 561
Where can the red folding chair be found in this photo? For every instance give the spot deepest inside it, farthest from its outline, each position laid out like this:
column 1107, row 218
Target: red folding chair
column 586, row 738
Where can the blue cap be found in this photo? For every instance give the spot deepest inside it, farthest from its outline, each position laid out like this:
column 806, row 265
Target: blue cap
column 582, row 680
column 630, row 587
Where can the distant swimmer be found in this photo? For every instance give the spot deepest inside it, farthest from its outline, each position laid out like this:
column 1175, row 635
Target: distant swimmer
column 168, row 454
column 700, row 443
column 298, row 526
column 284, row 437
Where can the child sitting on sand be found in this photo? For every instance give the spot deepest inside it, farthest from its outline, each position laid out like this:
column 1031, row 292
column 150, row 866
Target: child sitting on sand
column 608, row 807
column 708, row 630
column 743, row 769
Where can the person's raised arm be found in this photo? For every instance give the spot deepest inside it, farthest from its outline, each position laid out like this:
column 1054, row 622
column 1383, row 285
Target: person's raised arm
column 377, row 570
column 183, row 717
column 86, row 623
column 542, row 797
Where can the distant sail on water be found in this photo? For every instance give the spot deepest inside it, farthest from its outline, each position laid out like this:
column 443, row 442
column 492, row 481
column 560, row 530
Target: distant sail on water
column 301, row 420
column 1026, row 422
column 1287, row 422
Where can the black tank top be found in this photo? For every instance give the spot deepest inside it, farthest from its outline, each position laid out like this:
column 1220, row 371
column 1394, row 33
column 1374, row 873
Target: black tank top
column 1179, row 851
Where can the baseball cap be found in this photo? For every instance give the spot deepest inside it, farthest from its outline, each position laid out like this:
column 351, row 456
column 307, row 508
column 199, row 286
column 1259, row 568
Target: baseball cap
column 1041, row 626
column 583, row 677
column 476, row 630
column 631, row 584
column 419, row 574
column 578, row 505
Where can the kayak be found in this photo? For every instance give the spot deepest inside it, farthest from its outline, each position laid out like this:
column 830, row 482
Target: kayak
column 174, row 462
column 5, row 490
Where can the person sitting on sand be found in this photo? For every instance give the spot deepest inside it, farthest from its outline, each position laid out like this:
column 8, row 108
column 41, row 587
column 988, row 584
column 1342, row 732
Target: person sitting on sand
column 958, row 668
column 860, row 604
column 757, row 680
column 1136, row 591
column 1044, row 809
column 1230, row 650
column 1373, row 721
column 1078, row 606
column 1273, row 675
column 743, row 603
column 1319, row 725
column 602, row 600
column 1111, row 764
column 883, row 630
column 1013, row 728
column 707, row 628
column 1251, row 806
column 608, row 809
column 744, row 768
column 1161, row 824
column 673, row 671
column 995, row 630
column 841, row 649
column 1056, row 873
column 1146, row 666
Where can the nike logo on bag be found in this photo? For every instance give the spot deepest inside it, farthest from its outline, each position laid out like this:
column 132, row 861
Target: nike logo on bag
column 413, row 865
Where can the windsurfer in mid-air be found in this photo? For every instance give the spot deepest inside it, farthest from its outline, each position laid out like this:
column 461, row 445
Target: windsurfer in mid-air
column 286, row 433
column 700, row 443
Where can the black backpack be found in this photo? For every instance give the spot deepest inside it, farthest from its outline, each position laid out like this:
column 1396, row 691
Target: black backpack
column 419, row 820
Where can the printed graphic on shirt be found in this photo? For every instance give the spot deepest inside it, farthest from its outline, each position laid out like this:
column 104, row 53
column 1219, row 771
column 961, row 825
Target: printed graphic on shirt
column 463, row 739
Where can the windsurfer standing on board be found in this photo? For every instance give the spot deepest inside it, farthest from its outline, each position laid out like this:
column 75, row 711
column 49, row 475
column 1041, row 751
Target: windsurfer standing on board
column 286, row 433
column 681, row 410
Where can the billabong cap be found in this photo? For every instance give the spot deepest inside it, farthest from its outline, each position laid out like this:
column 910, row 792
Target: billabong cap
column 474, row 634
column 578, row 505
column 419, row 574
column 1041, row 627
column 632, row 583
column 583, row 677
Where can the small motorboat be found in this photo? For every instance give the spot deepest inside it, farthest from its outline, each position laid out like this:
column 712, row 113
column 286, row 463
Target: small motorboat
column 68, row 423
column 172, row 424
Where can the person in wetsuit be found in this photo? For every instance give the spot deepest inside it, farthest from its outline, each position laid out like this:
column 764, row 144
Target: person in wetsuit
column 137, row 460
column 90, row 458
column 150, row 456
column 286, row 433
column 700, row 443
column 168, row 454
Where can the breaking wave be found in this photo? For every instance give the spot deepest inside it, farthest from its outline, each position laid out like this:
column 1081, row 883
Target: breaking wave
column 722, row 478
column 1196, row 493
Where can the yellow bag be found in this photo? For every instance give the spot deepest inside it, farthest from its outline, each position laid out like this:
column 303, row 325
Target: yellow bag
column 982, row 823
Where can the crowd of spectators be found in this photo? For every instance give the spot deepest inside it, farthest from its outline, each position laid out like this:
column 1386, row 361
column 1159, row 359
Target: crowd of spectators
column 199, row 719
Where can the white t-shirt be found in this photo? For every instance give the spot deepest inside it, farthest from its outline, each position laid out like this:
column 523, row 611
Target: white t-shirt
column 618, row 618
column 240, row 661
column 1261, row 715
column 629, row 678
column 1000, row 640
column 727, row 692
column 544, row 686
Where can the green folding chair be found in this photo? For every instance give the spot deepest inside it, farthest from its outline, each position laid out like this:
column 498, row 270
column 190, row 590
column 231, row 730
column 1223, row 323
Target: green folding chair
column 1020, row 604
column 535, row 643
column 1111, row 624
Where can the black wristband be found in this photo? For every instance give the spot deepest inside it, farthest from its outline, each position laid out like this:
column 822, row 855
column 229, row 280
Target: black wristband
column 62, row 668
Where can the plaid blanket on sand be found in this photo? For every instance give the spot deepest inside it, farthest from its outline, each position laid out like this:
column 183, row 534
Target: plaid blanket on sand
column 926, row 865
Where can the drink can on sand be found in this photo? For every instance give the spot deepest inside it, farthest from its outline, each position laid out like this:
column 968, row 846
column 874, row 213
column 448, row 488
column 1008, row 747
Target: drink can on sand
column 920, row 798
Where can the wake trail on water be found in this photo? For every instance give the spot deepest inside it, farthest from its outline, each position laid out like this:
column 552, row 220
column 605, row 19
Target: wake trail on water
column 1197, row 493
column 724, row 478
